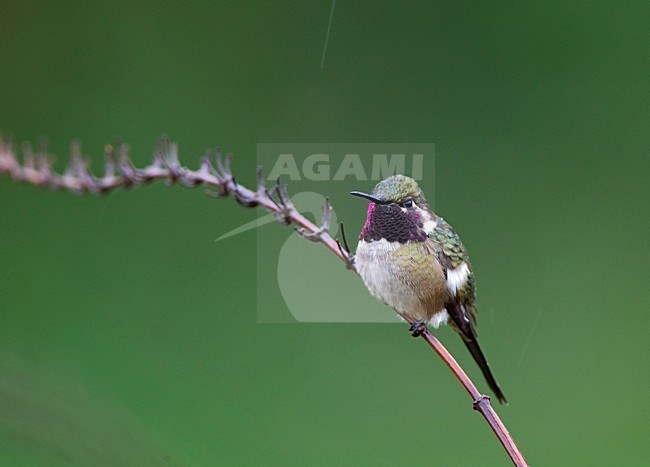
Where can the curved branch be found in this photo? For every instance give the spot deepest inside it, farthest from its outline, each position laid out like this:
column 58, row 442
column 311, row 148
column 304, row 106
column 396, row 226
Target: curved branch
column 119, row 171
column 481, row 402
column 36, row 169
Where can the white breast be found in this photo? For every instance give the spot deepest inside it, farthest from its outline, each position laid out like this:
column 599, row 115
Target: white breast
column 373, row 262
column 382, row 278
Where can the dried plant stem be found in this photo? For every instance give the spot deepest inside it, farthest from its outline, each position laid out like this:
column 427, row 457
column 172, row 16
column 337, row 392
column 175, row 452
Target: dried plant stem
column 36, row 169
column 119, row 171
column 481, row 402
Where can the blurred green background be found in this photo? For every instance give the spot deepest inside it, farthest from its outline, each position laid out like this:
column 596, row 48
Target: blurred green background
column 128, row 336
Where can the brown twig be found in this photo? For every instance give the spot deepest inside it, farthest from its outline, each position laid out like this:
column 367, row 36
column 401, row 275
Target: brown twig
column 120, row 172
column 481, row 402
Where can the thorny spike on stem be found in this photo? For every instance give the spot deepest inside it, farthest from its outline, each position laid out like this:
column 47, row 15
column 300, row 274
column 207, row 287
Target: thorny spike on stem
column 349, row 262
column 166, row 166
column 261, row 185
column 284, row 204
column 243, row 199
column 323, row 229
column 269, row 196
column 345, row 239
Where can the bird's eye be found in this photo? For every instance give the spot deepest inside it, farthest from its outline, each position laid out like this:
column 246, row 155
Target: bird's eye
column 408, row 203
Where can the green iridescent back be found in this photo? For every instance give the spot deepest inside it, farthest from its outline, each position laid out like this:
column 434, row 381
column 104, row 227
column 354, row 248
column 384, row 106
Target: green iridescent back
column 448, row 242
column 451, row 253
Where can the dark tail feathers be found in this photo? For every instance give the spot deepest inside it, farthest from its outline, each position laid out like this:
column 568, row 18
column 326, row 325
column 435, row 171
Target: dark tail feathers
column 477, row 353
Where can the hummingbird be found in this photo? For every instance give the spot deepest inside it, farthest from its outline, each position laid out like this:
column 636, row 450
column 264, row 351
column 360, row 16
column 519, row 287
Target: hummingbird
column 413, row 261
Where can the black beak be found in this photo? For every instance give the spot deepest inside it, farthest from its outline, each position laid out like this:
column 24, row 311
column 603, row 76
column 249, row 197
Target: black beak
column 368, row 197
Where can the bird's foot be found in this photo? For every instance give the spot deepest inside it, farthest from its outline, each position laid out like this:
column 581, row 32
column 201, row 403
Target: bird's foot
column 418, row 327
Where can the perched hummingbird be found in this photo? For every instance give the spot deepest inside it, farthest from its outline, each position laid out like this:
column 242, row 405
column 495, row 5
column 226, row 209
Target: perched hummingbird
column 414, row 262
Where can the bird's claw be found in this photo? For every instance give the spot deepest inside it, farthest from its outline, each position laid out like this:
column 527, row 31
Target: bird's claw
column 417, row 328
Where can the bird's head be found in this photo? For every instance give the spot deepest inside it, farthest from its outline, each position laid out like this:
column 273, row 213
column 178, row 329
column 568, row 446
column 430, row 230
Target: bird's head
column 398, row 211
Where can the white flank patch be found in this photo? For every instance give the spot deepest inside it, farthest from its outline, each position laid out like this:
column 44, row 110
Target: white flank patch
column 439, row 318
column 456, row 278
